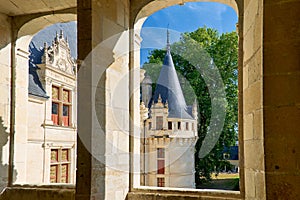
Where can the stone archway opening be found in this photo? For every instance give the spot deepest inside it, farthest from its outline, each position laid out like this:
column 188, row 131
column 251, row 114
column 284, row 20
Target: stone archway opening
column 24, row 29
column 154, row 6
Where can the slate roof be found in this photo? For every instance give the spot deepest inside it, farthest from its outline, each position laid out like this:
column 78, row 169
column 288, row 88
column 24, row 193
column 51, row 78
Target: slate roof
column 35, row 87
column 35, row 48
column 169, row 88
column 233, row 152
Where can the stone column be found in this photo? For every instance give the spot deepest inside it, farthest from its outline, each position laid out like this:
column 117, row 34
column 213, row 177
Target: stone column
column 253, row 168
column 5, row 83
column 21, row 109
column 281, row 98
column 103, row 100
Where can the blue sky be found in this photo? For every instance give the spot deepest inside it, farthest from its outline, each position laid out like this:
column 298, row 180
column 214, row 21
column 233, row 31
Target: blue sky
column 186, row 18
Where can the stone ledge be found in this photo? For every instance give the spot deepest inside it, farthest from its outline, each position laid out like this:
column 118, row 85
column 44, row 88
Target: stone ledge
column 45, row 192
column 156, row 193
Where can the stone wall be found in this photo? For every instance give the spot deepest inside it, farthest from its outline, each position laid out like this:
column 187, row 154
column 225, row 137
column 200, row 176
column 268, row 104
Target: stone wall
column 281, row 98
column 103, row 81
column 5, row 79
column 253, row 101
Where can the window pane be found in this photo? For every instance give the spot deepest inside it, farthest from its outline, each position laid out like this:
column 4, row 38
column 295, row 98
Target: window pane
column 53, row 173
column 64, row 173
column 54, row 116
column 170, row 125
column 179, row 125
column 55, row 93
column 65, row 118
column 159, row 123
column 160, row 153
column 65, row 155
column 66, row 96
column 161, row 182
column 187, row 126
column 54, row 155
column 160, row 166
column 150, row 125
column 65, row 110
column 54, row 108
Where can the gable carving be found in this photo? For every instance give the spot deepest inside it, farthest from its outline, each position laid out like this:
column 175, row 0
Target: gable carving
column 58, row 55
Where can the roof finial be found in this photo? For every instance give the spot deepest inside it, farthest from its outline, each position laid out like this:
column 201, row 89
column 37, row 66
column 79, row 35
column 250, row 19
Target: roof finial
column 45, row 55
column 61, row 33
column 56, row 37
column 159, row 98
column 168, row 41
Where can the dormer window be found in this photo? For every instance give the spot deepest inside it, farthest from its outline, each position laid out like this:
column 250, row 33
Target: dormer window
column 159, row 123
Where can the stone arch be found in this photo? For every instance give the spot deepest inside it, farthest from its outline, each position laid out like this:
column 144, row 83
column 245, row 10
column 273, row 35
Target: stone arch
column 141, row 10
column 23, row 29
column 35, row 24
column 148, row 7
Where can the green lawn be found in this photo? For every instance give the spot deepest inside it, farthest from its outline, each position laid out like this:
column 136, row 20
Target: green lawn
column 223, row 181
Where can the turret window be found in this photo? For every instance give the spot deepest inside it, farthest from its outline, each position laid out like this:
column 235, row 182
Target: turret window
column 179, row 125
column 169, row 125
column 159, row 123
column 160, row 182
column 160, row 160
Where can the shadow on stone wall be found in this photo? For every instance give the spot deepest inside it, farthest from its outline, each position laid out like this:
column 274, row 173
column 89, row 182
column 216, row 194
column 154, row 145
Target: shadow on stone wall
column 4, row 167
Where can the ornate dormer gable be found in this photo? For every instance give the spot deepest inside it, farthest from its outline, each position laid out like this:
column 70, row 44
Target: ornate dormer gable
column 58, row 55
column 159, row 107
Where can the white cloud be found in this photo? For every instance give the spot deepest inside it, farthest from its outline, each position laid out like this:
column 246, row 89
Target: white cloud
column 205, row 8
column 157, row 37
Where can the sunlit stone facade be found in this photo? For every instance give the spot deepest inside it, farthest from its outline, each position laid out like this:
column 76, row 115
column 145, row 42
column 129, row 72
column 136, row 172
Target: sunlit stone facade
column 50, row 144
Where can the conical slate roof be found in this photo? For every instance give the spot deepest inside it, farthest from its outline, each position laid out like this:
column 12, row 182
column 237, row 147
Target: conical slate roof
column 169, row 88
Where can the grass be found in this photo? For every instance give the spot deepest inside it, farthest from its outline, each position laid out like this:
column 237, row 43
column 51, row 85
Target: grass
column 223, row 181
column 225, row 176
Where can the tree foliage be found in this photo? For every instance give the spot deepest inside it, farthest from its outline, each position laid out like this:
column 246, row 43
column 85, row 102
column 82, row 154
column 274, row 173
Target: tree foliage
column 223, row 49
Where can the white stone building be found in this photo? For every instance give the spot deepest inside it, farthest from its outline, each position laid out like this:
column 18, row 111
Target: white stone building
column 50, row 143
column 169, row 131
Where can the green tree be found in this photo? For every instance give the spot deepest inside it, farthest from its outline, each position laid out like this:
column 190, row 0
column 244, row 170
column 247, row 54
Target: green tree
column 223, row 49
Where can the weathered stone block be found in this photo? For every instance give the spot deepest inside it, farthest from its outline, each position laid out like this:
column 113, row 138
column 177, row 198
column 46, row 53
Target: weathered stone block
column 254, row 155
column 258, row 132
column 279, row 90
column 248, row 126
column 250, row 184
column 253, row 97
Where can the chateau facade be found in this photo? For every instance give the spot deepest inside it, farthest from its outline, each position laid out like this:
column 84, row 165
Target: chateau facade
column 50, row 143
